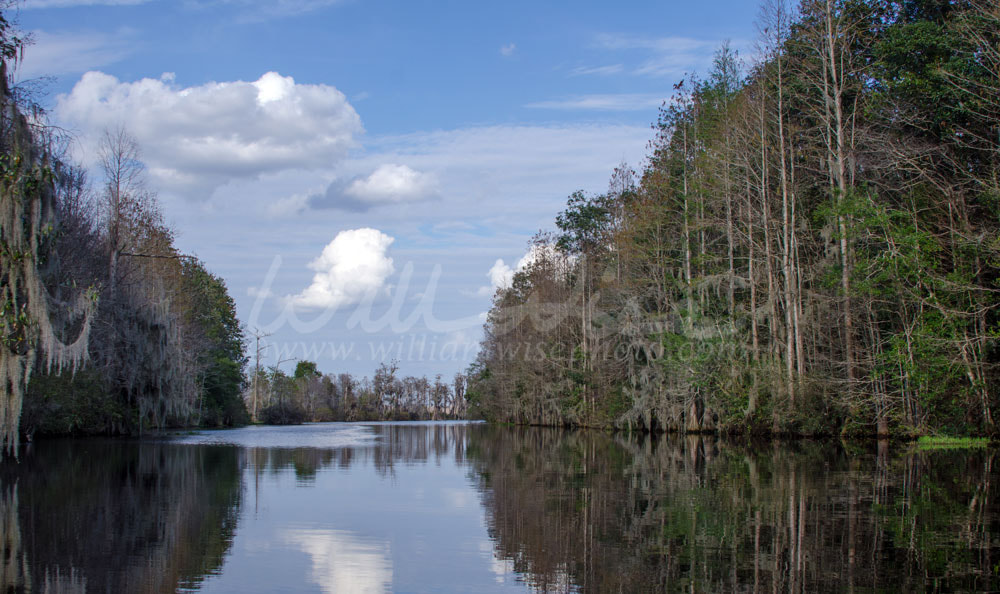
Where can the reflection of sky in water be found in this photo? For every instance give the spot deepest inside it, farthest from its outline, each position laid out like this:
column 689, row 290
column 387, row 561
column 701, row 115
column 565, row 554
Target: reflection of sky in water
column 318, row 435
column 402, row 515
column 342, row 562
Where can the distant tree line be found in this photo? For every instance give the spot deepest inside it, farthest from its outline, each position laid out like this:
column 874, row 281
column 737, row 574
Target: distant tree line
column 274, row 397
column 105, row 327
column 810, row 247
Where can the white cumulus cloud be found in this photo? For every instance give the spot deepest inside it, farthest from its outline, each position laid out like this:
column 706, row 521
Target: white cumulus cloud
column 353, row 267
column 196, row 139
column 501, row 275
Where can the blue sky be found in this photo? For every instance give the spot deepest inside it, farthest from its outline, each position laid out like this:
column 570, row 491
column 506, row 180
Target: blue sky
column 356, row 169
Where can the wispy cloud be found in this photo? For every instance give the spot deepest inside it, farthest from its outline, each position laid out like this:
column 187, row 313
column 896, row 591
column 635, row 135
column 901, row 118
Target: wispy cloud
column 70, row 3
column 609, row 102
column 54, row 54
column 660, row 44
column 252, row 10
column 666, row 56
column 258, row 10
column 508, row 50
column 597, row 70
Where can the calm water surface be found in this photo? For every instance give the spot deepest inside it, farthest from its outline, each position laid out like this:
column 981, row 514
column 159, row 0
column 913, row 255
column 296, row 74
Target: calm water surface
column 431, row 507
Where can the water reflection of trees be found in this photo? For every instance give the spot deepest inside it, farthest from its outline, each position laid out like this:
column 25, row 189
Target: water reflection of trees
column 582, row 510
column 117, row 517
column 394, row 444
column 567, row 510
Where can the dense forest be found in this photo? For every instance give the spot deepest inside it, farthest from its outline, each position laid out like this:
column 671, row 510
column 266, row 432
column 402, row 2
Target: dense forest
column 105, row 326
column 811, row 246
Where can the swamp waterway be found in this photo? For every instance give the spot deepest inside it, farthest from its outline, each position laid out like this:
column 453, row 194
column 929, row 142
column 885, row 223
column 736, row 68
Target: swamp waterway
column 467, row 507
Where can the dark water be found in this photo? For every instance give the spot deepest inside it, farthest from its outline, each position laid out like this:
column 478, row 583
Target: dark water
column 429, row 507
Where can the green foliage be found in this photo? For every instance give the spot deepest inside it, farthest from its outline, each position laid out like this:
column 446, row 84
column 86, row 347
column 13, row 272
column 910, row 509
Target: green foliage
column 283, row 413
column 67, row 404
column 584, row 222
column 213, row 311
column 910, row 59
column 305, row 369
column 944, row 442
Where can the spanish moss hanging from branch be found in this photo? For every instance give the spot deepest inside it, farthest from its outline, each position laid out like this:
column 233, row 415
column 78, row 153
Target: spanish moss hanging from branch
column 35, row 320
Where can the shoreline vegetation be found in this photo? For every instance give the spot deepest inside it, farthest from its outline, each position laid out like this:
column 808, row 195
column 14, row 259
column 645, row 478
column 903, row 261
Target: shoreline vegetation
column 943, row 442
column 810, row 248
column 106, row 328
column 274, row 398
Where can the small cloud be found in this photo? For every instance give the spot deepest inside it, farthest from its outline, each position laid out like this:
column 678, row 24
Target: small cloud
column 353, row 267
column 613, row 102
column 508, row 50
column 501, row 274
column 388, row 184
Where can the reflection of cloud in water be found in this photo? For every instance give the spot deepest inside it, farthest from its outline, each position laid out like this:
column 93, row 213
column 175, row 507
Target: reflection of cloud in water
column 342, row 562
column 503, row 569
column 313, row 435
